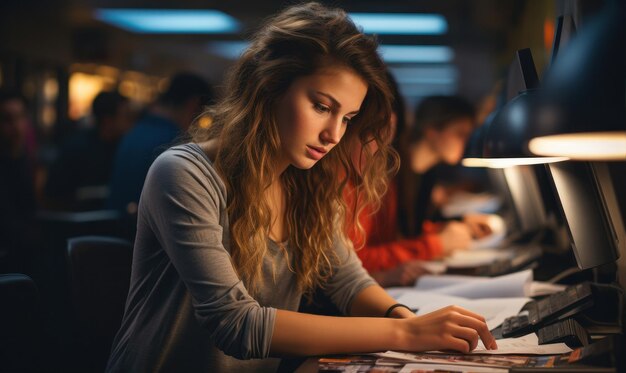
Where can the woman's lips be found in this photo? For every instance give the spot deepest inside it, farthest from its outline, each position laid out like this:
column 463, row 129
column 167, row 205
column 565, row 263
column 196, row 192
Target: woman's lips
column 315, row 152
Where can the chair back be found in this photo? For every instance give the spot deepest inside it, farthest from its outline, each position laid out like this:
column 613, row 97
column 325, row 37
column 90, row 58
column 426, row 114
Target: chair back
column 20, row 324
column 99, row 276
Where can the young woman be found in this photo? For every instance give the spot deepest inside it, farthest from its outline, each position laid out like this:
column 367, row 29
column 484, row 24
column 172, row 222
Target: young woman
column 396, row 237
column 234, row 227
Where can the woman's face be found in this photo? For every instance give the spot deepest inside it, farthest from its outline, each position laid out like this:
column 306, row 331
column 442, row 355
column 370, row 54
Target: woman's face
column 449, row 143
column 314, row 113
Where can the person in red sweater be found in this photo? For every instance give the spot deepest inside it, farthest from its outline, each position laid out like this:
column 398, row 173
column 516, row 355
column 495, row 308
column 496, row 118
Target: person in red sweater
column 395, row 239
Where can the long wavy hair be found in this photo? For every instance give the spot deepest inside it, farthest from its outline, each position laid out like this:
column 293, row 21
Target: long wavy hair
column 295, row 43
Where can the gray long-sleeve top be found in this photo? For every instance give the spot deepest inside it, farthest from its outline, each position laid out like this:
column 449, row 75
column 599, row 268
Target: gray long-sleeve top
column 187, row 310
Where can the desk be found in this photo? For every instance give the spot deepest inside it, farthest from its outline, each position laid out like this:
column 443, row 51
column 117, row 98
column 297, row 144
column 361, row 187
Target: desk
column 598, row 363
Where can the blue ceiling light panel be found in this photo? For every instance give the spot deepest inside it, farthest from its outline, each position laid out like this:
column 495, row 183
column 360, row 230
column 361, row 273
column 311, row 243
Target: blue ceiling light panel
column 169, row 21
column 401, row 23
column 228, row 49
column 416, row 53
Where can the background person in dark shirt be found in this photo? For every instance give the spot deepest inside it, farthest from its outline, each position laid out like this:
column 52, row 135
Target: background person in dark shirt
column 441, row 130
column 79, row 178
column 163, row 123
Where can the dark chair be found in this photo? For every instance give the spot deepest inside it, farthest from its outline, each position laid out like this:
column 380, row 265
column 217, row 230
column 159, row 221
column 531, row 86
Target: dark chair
column 20, row 324
column 99, row 275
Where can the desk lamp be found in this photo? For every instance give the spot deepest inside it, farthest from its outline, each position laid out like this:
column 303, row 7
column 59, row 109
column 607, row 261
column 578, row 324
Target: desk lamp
column 506, row 138
column 583, row 113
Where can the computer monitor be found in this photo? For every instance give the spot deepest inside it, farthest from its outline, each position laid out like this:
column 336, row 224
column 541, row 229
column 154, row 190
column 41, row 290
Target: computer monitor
column 564, row 31
column 587, row 199
column 524, row 194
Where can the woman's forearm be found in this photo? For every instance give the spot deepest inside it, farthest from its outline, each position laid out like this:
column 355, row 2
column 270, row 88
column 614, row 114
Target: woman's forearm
column 300, row 334
column 450, row 328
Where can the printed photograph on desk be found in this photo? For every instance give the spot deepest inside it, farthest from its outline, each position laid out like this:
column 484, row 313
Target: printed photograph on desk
column 498, row 361
column 358, row 364
column 443, row 368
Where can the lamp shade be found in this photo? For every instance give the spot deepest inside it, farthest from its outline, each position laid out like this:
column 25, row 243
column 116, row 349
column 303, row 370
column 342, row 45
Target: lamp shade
column 506, row 139
column 583, row 113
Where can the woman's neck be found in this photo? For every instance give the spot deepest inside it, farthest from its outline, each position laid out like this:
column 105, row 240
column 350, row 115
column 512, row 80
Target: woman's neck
column 275, row 197
column 422, row 157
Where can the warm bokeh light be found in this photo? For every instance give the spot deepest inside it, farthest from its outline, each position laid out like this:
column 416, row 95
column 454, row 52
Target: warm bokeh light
column 548, row 34
column 509, row 162
column 83, row 88
column 87, row 80
column 205, row 121
column 50, row 89
column 582, row 146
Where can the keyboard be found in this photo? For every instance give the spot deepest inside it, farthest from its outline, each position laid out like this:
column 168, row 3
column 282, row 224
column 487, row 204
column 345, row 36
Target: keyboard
column 522, row 257
column 567, row 331
column 573, row 298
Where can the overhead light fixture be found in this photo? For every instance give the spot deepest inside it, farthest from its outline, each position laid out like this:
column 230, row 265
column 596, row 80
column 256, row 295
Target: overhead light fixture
column 417, row 72
column 228, row 49
column 584, row 111
column 416, row 53
column 169, row 21
column 401, row 23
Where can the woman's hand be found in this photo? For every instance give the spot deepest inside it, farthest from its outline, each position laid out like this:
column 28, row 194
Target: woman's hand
column 450, row 328
column 478, row 224
column 404, row 274
column 455, row 236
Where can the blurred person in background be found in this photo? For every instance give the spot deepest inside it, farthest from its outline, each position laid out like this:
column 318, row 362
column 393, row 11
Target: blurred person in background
column 397, row 238
column 80, row 176
column 17, row 189
column 163, row 123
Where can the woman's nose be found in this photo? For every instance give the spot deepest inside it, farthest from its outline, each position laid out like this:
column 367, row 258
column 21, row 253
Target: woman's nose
column 333, row 131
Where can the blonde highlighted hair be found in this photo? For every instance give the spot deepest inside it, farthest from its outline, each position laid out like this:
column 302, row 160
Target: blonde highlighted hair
column 295, row 43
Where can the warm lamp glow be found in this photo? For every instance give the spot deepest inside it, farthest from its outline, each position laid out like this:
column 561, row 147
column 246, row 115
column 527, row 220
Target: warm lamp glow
column 509, row 162
column 582, row 146
column 82, row 90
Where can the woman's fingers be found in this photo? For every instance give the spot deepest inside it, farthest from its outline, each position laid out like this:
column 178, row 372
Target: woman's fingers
column 480, row 328
column 469, row 336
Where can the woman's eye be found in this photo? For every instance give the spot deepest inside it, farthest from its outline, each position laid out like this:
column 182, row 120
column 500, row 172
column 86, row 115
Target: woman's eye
column 347, row 120
column 321, row 108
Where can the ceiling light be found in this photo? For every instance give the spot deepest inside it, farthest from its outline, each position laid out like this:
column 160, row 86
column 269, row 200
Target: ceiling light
column 228, row 49
column 169, row 21
column 401, row 23
column 416, row 53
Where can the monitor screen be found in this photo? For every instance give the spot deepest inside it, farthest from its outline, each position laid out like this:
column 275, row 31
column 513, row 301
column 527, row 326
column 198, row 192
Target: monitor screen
column 588, row 202
column 525, row 195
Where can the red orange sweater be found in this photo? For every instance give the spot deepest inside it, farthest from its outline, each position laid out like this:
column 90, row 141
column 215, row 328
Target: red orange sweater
column 383, row 248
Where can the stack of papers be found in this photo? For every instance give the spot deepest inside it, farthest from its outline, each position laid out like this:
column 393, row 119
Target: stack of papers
column 494, row 298
column 515, row 350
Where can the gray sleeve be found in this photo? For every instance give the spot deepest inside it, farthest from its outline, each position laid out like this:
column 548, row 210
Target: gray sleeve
column 349, row 278
column 183, row 202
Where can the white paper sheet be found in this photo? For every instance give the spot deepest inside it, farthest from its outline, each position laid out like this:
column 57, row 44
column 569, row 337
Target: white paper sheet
column 511, row 285
column 528, row 344
column 462, row 203
column 494, row 310
column 477, row 257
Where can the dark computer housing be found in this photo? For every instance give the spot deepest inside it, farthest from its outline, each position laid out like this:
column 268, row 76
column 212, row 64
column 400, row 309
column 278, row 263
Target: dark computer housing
column 587, row 200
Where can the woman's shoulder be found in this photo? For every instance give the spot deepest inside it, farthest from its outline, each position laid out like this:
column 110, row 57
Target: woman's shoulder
column 187, row 162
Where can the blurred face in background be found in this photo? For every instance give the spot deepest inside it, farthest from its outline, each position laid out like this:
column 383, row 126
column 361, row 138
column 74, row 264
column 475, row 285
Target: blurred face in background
column 13, row 123
column 449, row 143
column 113, row 127
column 124, row 118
